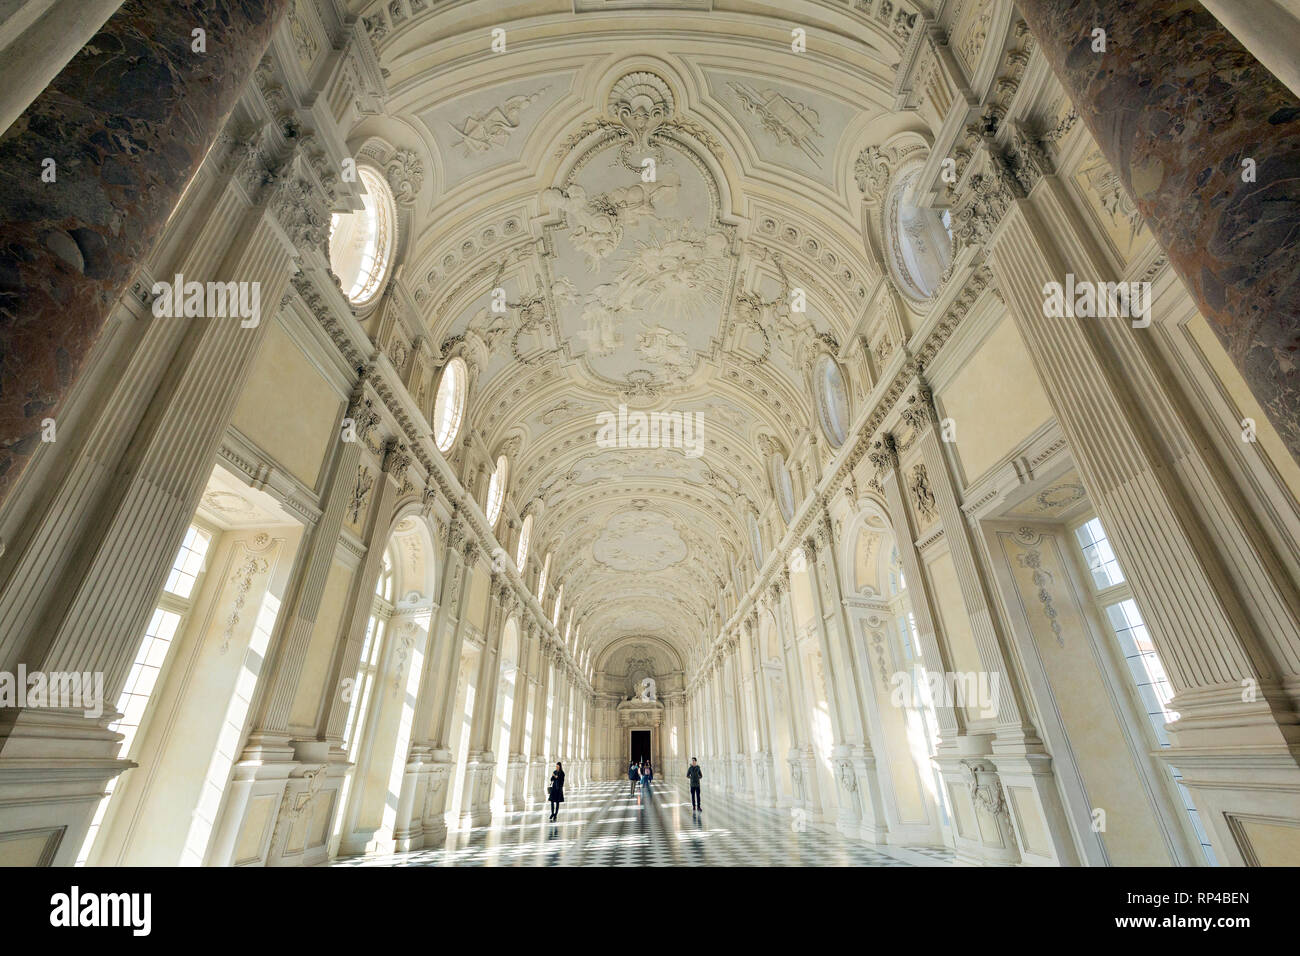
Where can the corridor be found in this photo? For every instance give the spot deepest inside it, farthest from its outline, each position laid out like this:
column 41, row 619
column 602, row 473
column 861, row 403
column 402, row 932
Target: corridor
column 602, row 825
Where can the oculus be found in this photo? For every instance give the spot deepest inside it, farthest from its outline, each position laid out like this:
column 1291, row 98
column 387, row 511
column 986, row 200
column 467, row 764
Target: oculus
column 449, row 403
column 832, row 399
column 782, row 486
column 362, row 242
column 525, row 537
column 497, row 490
column 919, row 239
column 756, row 540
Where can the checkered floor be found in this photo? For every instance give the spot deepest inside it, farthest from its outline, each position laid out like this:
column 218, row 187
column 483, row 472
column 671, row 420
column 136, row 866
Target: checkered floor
column 603, row 825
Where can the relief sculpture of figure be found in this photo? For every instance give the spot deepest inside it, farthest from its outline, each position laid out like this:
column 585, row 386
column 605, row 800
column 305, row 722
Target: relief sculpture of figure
column 647, row 689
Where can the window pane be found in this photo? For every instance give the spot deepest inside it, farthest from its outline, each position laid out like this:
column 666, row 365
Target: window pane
column 189, row 562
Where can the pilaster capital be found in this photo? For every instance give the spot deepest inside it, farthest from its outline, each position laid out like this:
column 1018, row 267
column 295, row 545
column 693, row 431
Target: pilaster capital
column 884, row 453
column 918, row 412
column 397, row 458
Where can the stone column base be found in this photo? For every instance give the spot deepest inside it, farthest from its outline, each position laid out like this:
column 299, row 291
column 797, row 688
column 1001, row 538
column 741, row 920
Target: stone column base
column 433, row 815
column 54, row 768
column 982, row 831
column 476, row 809
column 516, row 769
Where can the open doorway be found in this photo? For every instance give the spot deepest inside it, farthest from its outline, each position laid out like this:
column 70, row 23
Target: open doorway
column 640, row 746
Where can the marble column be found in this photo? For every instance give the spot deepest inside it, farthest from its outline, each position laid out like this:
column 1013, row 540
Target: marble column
column 37, row 39
column 1176, row 105
column 127, row 122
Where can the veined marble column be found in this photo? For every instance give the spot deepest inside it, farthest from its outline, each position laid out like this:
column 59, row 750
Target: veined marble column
column 71, row 246
column 37, row 39
column 1177, row 104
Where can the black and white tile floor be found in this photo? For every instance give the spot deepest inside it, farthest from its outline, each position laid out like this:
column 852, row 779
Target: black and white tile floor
column 603, row 825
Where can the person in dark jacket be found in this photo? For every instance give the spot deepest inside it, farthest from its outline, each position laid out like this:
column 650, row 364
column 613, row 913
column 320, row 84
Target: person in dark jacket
column 693, row 774
column 633, row 775
column 556, row 794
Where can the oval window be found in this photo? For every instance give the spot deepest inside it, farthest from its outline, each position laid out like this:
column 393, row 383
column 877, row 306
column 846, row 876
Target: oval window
column 919, row 239
column 361, row 242
column 782, row 486
column 497, row 490
column 541, row 582
column 449, row 403
column 756, row 541
column 832, row 400
column 525, row 534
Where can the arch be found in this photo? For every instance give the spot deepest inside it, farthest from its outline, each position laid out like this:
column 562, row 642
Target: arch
column 860, row 572
column 379, row 724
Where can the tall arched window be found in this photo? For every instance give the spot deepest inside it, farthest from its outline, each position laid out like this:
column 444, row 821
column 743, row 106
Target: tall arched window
column 381, row 610
column 832, row 399
column 525, row 537
column 559, row 602
column 497, row 490
column 361, row 242
column 449, row 403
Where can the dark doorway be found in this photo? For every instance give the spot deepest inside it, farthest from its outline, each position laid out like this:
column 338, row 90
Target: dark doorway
column 640, row 745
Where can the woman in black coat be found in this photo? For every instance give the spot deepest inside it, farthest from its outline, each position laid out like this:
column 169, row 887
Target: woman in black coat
column 556, row 794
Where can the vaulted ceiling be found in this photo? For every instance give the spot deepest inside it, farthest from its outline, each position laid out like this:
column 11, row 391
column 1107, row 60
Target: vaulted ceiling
column 667, row 292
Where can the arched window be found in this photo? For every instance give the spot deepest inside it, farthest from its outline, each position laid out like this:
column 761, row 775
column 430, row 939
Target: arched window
column 832, row 399
column 361, row 242
column 449, row 403
column 497, row 490
column 541, row 582
column 782, row 486
column 559, row 602
column 525, row 536
column 919, row 238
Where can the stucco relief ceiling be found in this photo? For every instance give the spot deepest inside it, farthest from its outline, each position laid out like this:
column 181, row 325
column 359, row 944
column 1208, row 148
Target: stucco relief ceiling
column 639, row 541
column 662, row 292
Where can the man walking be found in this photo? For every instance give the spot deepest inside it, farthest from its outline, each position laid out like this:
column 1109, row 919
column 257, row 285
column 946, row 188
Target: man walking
column 633, row 775
column 693, row 774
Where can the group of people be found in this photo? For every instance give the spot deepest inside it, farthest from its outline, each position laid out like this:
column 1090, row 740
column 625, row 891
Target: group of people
column 642, row 773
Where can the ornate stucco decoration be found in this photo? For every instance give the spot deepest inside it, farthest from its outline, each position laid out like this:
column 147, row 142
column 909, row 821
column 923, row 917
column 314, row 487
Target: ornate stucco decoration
column 642, row 102
column 922, row 496
column 405, row 173
column 1032, row 558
